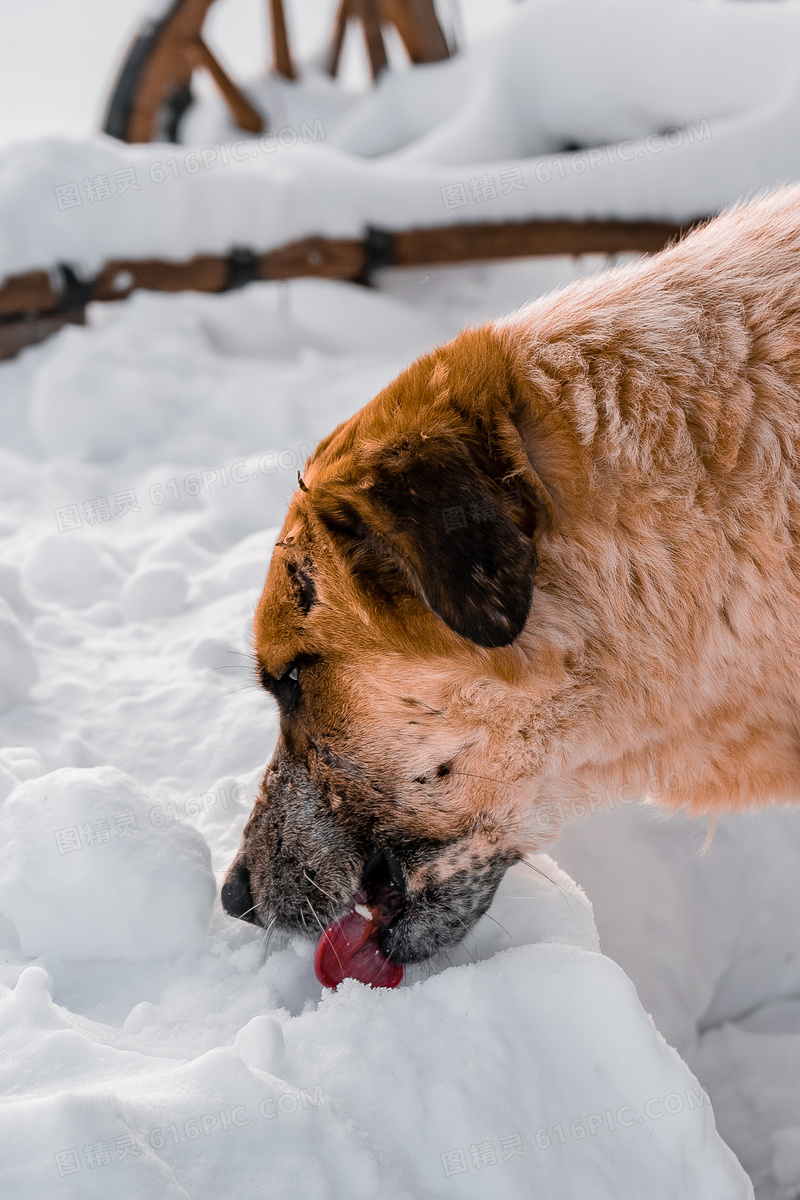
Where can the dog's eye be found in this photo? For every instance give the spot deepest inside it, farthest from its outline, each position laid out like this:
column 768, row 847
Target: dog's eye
column 286, row 687
column 282, row 683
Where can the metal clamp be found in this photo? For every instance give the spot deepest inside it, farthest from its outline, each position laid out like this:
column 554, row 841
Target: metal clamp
column 378, row 249
column 243, row 268
column 74, row 293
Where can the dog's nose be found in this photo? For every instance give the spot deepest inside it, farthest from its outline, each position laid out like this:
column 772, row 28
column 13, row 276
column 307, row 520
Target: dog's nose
column 237, row 899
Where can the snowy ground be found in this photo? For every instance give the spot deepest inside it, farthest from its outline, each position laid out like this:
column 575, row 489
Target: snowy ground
column 144, row 465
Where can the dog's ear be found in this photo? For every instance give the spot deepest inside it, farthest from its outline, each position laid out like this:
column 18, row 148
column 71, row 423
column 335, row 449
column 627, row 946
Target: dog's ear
column 462, row 540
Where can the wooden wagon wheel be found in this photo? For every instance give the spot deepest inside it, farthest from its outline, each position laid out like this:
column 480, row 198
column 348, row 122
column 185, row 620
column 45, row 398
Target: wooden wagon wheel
column 152, row 90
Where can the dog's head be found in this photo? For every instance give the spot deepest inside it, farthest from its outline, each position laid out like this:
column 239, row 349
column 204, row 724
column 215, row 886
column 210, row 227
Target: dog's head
column 389, row 633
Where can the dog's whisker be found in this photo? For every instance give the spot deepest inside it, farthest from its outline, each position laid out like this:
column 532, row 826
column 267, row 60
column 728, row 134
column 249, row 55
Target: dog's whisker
column 488, row 779
column 269, row 931
column 498, row 924
column 463, row 742
column 469, row 931
column 322, row 927
column 438, row 713
column 320, row 889
column 544, row 875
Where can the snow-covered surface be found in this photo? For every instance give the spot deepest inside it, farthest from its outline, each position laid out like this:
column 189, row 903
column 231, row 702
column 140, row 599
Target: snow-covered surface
column 482, row 137
column 710, row 940
column 149, row 892
column 181, row 1062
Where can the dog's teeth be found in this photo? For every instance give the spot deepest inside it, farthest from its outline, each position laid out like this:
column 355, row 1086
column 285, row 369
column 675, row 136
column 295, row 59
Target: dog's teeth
column 363, row 911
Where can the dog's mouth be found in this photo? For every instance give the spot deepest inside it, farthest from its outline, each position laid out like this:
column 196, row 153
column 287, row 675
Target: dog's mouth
column 353, row 946
column 402, row 906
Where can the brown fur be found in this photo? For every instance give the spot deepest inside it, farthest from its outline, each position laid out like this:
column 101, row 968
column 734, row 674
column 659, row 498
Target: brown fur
column 637, row 434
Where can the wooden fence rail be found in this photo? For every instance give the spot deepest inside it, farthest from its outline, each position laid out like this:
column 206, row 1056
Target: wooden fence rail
column 36, row 304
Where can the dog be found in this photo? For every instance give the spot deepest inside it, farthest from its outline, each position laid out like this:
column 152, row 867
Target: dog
column 554, row 563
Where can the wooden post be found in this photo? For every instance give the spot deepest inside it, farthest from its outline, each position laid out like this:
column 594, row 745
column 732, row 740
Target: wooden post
column 418, row 26
column 370, row 19
column 415, row 21
column 281, row 56
column 337, row 37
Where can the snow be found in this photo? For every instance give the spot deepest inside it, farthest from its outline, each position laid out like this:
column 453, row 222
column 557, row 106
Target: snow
column 362, row 1093
column 18, row 667
column 155, row 591
column 52, row 50
column 148, row 893
column 709, row 940
column 493, row 128
column 77, row 574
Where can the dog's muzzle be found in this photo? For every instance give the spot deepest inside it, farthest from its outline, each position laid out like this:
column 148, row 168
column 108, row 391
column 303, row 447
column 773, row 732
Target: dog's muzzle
column 302, row 862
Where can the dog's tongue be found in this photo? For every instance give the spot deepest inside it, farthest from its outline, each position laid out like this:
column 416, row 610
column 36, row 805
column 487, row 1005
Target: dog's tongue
column 349, row 949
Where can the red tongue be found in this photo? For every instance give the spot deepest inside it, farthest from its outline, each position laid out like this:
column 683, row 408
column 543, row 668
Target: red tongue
column 348, row 949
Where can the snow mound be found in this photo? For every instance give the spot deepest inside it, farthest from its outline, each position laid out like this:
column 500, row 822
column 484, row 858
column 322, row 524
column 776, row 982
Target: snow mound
column 138, row 380
column 696, row 931
column 72, row 570
column 158, row 590
column 17, row 763
column 433, row 1090
column 18, row 667
column 709, row 939
column 85, row 873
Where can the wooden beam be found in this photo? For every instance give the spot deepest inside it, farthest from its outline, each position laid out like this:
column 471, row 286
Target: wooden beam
column 31, row 304
column 523, row 239
column 337, row 37
column 29, row 293
column 15, row 335
column 120, row 277
column 326, row 258
column 159, row 62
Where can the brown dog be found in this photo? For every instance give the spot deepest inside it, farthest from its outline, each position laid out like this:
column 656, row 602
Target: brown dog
column 629, row 443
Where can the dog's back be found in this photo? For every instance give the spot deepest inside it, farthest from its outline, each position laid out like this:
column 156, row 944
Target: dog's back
column 665, row 420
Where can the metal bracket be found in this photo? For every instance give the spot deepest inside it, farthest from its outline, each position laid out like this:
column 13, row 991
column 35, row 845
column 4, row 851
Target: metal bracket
column 74, row 293
column 243, row 268
column 378, row 249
